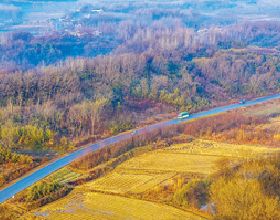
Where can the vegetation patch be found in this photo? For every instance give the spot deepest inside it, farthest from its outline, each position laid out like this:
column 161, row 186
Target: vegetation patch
column 91, row 205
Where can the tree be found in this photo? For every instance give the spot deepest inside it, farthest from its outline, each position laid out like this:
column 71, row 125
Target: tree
column 243, row 199
column 94, row 109
column 194, row 194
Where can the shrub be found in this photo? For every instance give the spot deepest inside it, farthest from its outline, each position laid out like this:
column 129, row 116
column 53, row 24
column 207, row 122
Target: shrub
column 194, row 194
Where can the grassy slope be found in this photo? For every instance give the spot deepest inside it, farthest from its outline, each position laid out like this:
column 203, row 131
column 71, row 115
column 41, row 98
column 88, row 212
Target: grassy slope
column 151, row 169
column 95, row 200
column 98, row 200
column 267, row 109
column 83, row 204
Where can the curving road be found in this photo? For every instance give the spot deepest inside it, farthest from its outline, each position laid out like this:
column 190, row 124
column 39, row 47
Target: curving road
column 39, row 174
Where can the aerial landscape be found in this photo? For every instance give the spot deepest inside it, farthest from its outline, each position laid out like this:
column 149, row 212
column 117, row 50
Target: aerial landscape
column 140, row 109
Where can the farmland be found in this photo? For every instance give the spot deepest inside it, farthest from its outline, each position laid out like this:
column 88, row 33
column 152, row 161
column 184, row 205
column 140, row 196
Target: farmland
column 91, row 205
column 172, row 177
column 195, row 159
column 126, row 109
column 108, row 196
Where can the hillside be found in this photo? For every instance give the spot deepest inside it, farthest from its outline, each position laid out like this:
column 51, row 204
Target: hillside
column 90, row 93
column 102, row 69
column 178, row 178
column 144, row 177
column 90, row 205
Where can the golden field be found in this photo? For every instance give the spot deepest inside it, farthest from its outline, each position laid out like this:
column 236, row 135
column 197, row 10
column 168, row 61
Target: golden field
column 82, row 204
column 197, row 158
column 105, row 198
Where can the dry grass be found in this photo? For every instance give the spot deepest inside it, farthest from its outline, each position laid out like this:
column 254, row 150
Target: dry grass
column 211, row 148
column 127, row 182
column 146, row 171
column 105, row 198
column 160, row 161
column 96, row 206
column 270, row 108
column 98, row 200
column 64, row 176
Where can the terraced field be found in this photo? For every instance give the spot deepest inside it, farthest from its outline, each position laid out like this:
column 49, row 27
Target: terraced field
column 129, row 182
column 211, row 148
column 82, row 204
column 146, row 171
column 110, row 196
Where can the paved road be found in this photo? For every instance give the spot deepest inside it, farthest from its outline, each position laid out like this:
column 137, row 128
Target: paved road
column 39, row 174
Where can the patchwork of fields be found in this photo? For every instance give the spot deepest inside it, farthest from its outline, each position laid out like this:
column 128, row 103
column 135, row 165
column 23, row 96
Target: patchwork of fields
column 143, row 186
column 97, row 206
column 195, row 159
column 107, row 197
